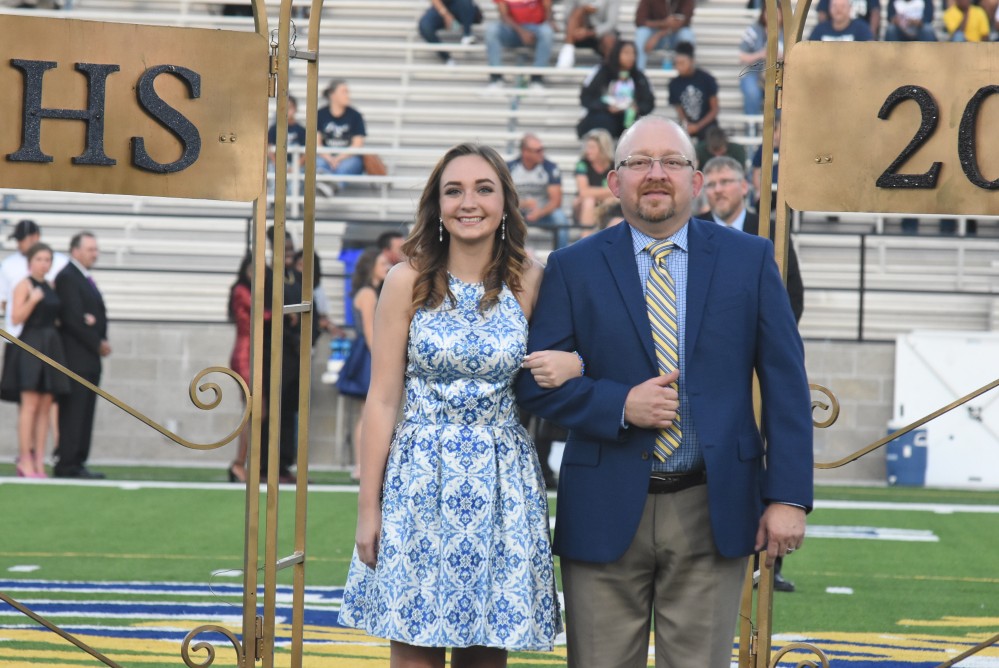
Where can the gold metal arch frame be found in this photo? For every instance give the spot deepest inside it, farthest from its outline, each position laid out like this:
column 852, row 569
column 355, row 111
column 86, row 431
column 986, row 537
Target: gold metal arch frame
column 756, row 621
column 258, row 630
column 257, row 639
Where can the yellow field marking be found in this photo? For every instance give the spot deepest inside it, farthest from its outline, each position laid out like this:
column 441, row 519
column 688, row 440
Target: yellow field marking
column 346, row 648
column 897, row 576
column 951, row 621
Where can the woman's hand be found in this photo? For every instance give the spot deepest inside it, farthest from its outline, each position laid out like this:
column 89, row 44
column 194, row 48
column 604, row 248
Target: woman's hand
column 369, row 527
column 552, row 368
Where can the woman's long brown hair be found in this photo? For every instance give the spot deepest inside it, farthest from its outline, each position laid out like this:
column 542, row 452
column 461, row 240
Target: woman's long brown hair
column 429, row 255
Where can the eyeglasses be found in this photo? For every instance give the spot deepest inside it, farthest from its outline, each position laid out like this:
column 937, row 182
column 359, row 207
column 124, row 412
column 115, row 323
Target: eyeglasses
column 720, row 183
column 643, row 163
column 532, row 149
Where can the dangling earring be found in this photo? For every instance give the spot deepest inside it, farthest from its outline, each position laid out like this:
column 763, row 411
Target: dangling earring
column 440, row 229
column 503, row 229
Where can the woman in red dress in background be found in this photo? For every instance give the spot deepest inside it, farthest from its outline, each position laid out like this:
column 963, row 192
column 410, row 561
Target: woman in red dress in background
column 240, row 300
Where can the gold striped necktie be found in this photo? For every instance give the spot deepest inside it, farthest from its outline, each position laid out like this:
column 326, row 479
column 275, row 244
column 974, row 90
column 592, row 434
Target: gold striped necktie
column 660, row 299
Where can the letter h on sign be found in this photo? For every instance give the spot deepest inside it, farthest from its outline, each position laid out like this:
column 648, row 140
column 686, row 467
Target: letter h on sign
column 33, row 113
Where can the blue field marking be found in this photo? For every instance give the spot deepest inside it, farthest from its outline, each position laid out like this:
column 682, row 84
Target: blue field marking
column 330, row 595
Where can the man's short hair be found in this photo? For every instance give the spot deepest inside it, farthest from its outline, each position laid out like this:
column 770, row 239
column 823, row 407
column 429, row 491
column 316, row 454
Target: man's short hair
column 715, row 138
column 78, row 238
column 385, row 238
column 685, row 49
column 721, row 162
column 526, row 137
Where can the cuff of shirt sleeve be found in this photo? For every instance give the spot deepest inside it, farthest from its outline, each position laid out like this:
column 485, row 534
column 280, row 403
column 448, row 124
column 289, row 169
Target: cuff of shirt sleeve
column 788, row 503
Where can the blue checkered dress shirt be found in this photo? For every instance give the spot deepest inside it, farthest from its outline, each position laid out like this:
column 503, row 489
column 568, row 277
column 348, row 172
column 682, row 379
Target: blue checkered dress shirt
column 688, row 457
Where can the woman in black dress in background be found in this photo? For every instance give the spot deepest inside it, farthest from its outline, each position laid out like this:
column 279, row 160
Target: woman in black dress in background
column 26, row 378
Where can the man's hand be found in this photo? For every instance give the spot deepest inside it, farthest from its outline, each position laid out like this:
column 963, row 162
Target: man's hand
column 105, row 348
column 653, row 404
column 526, row 36
column 782, row 530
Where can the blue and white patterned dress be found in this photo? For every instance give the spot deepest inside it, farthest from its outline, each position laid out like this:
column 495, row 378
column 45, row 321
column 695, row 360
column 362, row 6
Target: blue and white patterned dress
column 464, row 556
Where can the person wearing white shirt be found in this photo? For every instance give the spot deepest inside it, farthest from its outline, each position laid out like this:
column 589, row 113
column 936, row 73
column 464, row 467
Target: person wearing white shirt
column 15, row 267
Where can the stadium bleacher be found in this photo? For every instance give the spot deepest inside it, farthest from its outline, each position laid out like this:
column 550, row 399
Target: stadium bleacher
column 414, row 108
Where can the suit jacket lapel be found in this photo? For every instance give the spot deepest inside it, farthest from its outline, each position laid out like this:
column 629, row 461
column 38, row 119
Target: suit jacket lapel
column 620, row 254
column 700, row 266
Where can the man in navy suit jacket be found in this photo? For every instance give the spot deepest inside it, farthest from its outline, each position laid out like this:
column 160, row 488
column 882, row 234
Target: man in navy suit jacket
column 641, row 538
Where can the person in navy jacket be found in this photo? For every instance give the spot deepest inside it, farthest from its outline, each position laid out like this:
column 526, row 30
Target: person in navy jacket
column 640, row 538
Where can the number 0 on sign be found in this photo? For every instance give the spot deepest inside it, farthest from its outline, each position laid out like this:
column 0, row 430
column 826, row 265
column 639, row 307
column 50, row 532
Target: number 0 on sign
column 891, row 127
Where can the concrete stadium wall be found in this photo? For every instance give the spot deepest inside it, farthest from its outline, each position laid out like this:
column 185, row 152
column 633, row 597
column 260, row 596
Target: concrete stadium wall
column 153, row 364
column 151, row 368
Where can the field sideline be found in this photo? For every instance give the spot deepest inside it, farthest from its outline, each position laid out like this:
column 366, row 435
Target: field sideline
column 896, row 578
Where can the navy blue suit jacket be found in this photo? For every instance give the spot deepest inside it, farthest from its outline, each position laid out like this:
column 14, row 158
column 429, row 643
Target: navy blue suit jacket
column 738, row 320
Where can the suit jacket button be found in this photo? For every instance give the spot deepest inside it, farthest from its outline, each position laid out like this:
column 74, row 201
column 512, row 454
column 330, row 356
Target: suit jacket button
column 645, row 455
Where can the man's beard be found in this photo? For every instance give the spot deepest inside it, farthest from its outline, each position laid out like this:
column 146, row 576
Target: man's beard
column 652, row 214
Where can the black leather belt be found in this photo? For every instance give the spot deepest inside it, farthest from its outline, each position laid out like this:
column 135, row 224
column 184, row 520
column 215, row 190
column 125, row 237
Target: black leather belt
column 667, row 483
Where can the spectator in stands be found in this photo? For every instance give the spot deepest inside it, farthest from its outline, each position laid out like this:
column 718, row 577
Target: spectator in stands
column 390, row 245
column 726, row 187
column 239, row 361
column 442, row 14
column 716, row 143
column 595, row 161
column 910, row 21
column 616, row 93
column 868, row 11
column 241, row 9
column 365, row 285
column 609, row 213
column 296, row 142
column 340, row 126
column 521, row 23
column 83, row 325
column 27, row 379
column 693, row 92
column 589, row 23
column 662, row 24
column 840, row 27
column 966, row 22
column 539, row 187
column 753, row 58
column 42, row 4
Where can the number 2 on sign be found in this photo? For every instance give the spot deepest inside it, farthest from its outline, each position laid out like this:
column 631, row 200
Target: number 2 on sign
column 967, row 148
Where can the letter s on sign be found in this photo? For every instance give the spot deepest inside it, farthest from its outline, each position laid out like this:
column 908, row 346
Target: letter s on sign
column 169, row 118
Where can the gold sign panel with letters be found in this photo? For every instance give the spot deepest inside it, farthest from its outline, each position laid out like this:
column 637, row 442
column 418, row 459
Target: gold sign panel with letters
column 891, row 127
column 130, row 109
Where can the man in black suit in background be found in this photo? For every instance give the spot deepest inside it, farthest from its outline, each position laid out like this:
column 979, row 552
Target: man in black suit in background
column 726, row 187
column 84, row 330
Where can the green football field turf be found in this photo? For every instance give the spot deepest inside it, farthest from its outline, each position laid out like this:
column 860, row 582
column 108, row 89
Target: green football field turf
column 940, row 590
